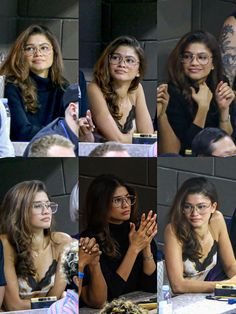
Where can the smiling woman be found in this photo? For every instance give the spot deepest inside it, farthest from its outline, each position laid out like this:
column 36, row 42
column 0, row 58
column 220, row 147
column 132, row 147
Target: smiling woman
column 31, row 250
column 199, row 93
column 34, row 82
column 128, row 259
column 116, row 96
column 195, row 235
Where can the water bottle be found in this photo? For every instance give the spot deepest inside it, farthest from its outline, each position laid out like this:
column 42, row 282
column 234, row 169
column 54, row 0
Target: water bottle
column 165, row 305
column 8, row 123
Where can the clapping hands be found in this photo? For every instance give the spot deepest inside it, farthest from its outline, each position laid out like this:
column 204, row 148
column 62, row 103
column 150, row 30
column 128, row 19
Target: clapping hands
column 147, row 230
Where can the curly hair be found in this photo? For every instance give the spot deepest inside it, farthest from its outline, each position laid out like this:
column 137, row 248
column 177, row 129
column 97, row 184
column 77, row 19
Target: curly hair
column 103, row 78
column 182, row 228
column 97, row 208
column 16, row 69
column 70, row 261
column 15, row 223
column 122, row 306
column 176, row 71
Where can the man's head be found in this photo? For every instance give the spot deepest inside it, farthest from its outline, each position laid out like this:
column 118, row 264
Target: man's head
column 52, row 146
column 213, row 142
column 109, row 149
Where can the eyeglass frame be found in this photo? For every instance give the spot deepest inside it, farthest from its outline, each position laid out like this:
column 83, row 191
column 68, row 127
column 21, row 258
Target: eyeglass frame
column 195, row 55
column 124, row 199
column 122, row 58
column 45, row 204
column 195, row 207
column 36, row 49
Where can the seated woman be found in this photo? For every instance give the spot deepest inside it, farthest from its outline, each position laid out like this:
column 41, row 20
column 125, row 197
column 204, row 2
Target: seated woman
column 128, row 259
column 34, row 82
column 31, row 250
column 195, row 237
column 199, row 95
column 116, row 97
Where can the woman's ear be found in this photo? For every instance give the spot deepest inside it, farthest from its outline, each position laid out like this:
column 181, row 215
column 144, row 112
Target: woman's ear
column 76, row 281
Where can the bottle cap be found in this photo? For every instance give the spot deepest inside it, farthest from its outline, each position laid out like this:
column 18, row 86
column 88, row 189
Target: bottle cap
column 165, row 287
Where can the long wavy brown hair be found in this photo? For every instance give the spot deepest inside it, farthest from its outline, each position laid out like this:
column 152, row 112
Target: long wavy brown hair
column 15, row 223
column 103, row 78
column 182, row 228
column 176, row 71
column 98, row 204
column 16, row 69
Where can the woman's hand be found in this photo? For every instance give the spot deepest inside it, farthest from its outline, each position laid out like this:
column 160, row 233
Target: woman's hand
column 162, row 99
column 203, row 97
column 89, row 253
column 224, row 96
column 143, row 236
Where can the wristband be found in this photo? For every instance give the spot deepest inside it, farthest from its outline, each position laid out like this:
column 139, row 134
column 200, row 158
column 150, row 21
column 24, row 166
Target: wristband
column 148, row 258
column 226, row 120
column 80, row 275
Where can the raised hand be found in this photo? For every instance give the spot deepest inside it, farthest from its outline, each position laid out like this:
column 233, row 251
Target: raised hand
column 86, row 128
column 203, row 97
column 143, row 236
column 224, row 95
column 162, row 99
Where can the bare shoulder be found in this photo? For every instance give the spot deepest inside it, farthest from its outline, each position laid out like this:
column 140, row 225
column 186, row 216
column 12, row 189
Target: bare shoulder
column 93, row 87
column 217, row 220
column 61, row 238
column 7, row 247
column 169, row 231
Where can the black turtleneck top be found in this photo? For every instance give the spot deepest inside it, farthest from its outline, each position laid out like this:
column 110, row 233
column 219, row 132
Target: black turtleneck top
column 24, row 125
column 137, row 281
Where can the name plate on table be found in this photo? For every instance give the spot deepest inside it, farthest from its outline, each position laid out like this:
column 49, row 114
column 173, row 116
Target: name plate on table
column 42, row 302
column 225, row 290
column 143, row 138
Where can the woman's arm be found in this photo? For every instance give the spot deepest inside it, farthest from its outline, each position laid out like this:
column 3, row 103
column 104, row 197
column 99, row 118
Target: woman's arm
column 228, row 48
column 143, row 119
column 217, row 224
column 12, row 300
column 102, row 117
column 174, row 266
column 60, row 283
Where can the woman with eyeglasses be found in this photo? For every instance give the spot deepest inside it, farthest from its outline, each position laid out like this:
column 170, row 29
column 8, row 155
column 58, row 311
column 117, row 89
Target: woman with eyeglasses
column 199, row 94
column 31, row 250
column 34, row 82
column 128, row 259
column 116, row 96
column 195, row 238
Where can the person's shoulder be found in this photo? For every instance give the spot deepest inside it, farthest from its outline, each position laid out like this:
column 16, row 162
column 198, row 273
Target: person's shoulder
column 217, row 219
column 92, row 86
column 61, row 237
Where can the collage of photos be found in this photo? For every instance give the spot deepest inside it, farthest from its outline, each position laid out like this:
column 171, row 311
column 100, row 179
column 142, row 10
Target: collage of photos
column 151, row 85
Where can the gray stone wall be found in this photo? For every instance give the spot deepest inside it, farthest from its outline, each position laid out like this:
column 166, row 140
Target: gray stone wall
column 171, row 172
column 59, row 175
column 60, row 16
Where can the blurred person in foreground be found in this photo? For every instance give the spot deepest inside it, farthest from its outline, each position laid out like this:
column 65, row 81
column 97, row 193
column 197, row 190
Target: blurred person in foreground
column 122, row 306
column 213, row 142
column 109, row 149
